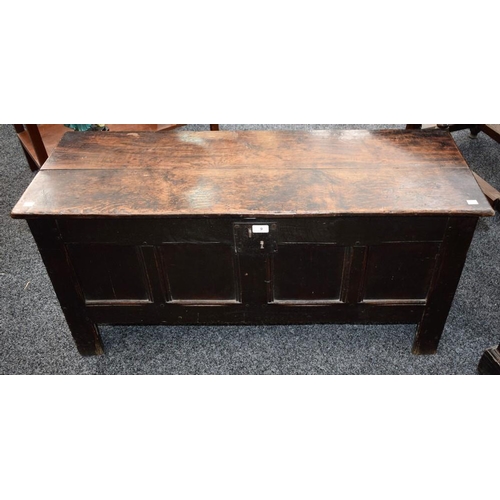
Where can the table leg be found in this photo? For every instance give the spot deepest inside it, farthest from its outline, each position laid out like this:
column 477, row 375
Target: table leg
column 85, row 334
column 84, row 331
column 449, row 265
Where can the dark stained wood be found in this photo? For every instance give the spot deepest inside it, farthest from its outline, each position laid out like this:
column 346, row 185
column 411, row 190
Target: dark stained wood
column 252, row 192
column 33, row 144
column 110, row 272
column 38, row 145
column 20, row 130
column 492, row 130
column 254, row 228
column 152, row 262
column 200, row 272
column 354, row 229
column 254, row 174
column 456, row 127
column 266, row 314
column 214, row 127
column 368, row 149
column 248, row 288
column 47, row 137
column 346, row 231
column 489, row 364
column 474, row 129
column 354, row 273
column 85, row 332
column 307, row 272
column 491, row 193
column 450, row 262
column 255, row 273
column 399, row 271
column 141, row 127
column 141, row 231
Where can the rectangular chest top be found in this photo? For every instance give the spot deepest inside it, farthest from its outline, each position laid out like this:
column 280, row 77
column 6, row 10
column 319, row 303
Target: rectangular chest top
column 254, row 174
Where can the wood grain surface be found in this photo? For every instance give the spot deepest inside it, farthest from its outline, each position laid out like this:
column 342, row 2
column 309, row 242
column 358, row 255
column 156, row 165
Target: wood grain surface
column 254, row 173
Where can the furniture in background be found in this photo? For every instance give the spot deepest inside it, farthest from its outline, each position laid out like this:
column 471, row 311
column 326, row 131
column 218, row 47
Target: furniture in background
column 263, row 227
column 450, row 128
column 489, row 363
column 38, row 141
column 34, row 147
column 490, row 192
column 492, row 130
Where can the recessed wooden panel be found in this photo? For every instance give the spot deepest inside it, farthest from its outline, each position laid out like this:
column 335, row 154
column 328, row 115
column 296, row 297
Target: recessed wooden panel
column 204, row 271
column 307, row 272
column 109, row 272
column 399, row 271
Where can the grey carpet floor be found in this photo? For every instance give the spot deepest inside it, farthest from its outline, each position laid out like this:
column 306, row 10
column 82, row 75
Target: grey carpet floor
column 34, row 338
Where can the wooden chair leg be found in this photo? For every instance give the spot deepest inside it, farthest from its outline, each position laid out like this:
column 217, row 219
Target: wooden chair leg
column 38, row 145
column 489, row 363
column 492, row 130
column 31, row 163
column 474, row 130
column 214, row 127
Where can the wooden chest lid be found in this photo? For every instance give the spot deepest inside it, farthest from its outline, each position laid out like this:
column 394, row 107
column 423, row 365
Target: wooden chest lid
column 254, row 173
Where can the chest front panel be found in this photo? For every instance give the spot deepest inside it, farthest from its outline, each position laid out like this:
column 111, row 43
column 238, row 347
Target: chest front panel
column 227, row 270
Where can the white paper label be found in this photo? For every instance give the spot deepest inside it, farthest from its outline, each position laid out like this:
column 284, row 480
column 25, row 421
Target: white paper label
column 472, row 202
column 260, row 229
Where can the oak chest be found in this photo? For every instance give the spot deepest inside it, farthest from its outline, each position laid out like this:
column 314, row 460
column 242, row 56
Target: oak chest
column 262, row 227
